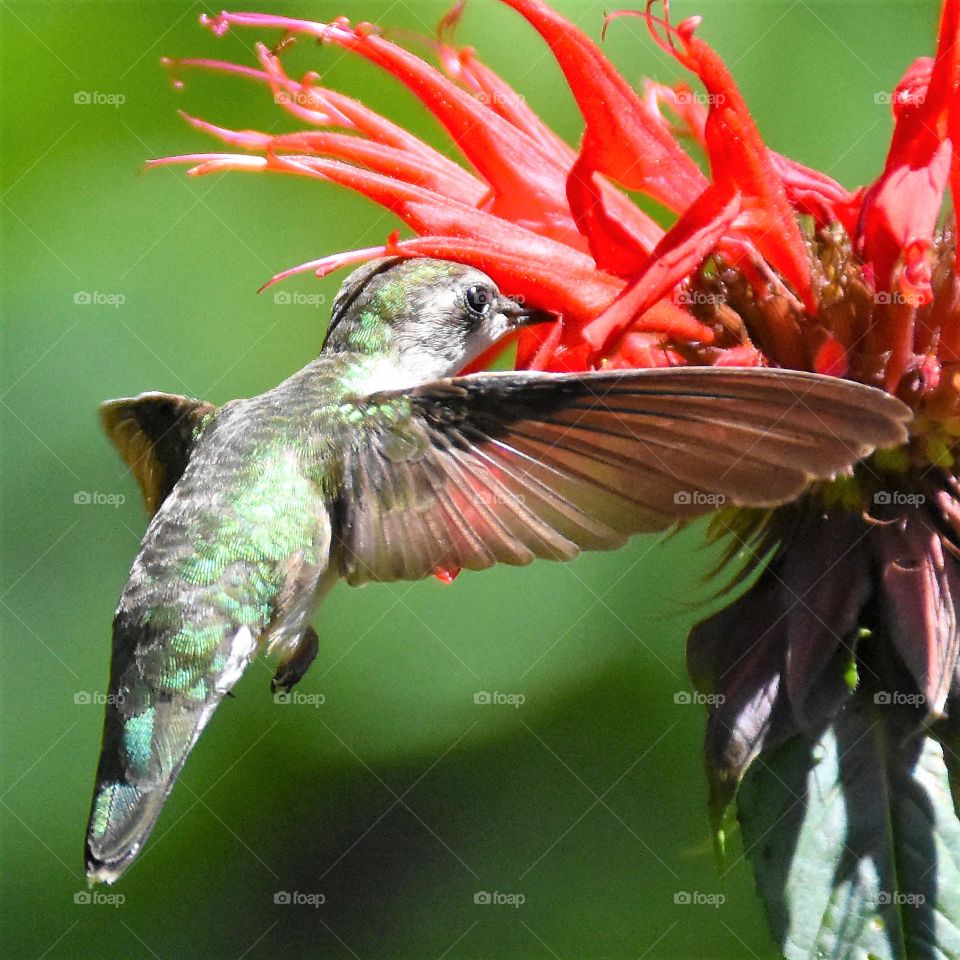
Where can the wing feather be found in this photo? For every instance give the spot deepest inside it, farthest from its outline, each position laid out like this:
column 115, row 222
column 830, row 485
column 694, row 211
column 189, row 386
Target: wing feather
column 505, row 468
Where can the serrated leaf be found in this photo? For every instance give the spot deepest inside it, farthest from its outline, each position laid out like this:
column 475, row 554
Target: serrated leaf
column 855, row 842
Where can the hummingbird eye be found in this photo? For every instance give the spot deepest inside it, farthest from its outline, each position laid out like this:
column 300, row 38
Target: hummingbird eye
column 478, row 299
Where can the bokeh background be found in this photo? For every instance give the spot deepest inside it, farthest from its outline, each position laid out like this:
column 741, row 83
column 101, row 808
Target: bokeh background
column 387, row 793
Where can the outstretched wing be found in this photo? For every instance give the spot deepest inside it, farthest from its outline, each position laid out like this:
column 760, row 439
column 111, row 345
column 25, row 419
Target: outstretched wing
column 504, row 468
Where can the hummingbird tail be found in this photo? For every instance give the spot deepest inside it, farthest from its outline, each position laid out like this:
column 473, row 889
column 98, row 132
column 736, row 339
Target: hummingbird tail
column 158, row 707
column 142, row 754
column 122, row 818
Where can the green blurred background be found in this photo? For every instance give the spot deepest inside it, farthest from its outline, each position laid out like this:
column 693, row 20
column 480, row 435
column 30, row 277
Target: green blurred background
column 397, row 799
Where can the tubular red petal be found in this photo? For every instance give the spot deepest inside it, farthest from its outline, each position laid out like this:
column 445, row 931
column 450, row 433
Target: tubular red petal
column 743, row 356
column 739, row 158
column 426, row 211
column 323, row 107
column 620, row 140
column 683, row 102
column 813, row 192
column 462, row 66
column 536, row 348
column 563, row 279
column 642, row 350
column 679, row 253
column 327, row 265
column 525, row 177
column 832, row 358
column 899, row 212
column 378, row 157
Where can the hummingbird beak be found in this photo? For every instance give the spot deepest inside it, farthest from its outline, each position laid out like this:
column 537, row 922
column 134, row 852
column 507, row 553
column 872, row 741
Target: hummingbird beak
column 520, row 316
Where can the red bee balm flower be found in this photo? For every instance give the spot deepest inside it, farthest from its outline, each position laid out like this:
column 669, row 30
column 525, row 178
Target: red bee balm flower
column 837, row 665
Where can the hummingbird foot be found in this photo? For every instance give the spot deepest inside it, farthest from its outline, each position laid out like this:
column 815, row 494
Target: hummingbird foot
column 291, row 671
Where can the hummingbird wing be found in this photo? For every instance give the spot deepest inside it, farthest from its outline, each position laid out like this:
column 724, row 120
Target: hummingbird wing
column 153, row 434
column 471, row 471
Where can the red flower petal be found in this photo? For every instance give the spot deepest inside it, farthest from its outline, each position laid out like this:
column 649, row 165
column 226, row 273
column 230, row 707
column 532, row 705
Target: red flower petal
column 900, row 210
column 813, row 192
column 739, row 159
column 527, row 178
column 463, row 66
column 678, row 254
column 620, row 141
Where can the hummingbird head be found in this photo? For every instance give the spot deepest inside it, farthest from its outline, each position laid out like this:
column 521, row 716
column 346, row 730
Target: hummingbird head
column 427, row 318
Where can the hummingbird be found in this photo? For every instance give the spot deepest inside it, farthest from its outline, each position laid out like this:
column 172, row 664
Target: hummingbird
column 377, row 462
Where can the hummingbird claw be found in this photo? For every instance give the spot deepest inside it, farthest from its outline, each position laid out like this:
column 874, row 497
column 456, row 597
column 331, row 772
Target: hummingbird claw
column 291, row 671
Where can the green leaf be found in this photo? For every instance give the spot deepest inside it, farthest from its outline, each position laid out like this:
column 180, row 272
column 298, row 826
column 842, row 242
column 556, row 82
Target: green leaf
column 855, row 842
